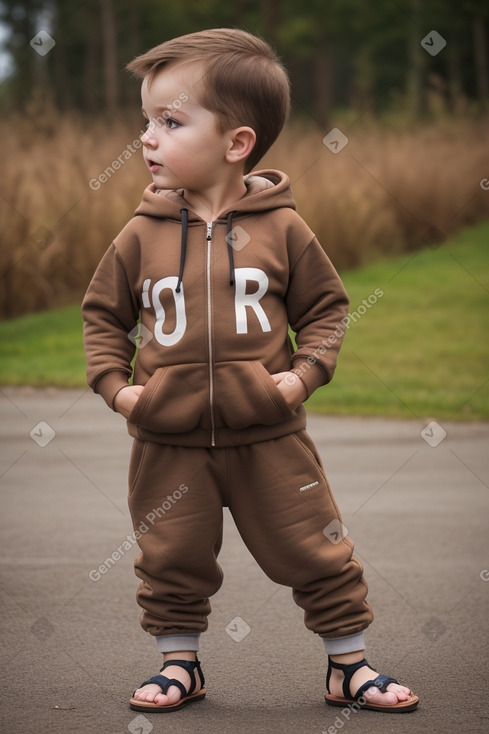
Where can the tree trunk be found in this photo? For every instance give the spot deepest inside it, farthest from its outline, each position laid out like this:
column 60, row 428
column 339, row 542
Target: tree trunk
column 455, row 76
column 133, row 32
column 416, row 62
column 323, row 83
column 91, row 61
column 109, row 35
column 271, row 17
column 480, row 59
column 239, row 12
column 130, row 28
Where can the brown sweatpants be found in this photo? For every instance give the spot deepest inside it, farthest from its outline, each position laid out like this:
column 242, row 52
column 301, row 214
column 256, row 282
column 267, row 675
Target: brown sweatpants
column 282, row 505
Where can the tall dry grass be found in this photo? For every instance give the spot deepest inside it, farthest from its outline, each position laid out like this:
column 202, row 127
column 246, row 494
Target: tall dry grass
column 386, row 192
column 389, row 190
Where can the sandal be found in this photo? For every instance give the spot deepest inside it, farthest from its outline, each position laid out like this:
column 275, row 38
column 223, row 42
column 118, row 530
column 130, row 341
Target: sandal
column 381, row 682
column 165, row 683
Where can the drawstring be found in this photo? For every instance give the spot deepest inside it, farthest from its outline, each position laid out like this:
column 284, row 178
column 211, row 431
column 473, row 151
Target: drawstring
column 183, row 250
column 230, row 248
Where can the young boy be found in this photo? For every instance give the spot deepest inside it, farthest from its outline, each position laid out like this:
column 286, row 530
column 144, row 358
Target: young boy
column 215, row 265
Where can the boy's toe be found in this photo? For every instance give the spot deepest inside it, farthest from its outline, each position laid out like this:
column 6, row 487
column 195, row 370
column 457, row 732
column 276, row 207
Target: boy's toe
column 373, row 695
column 147, row 693
column 394, row 694
column 401, row 692
column 160, row 699
column 172, row 696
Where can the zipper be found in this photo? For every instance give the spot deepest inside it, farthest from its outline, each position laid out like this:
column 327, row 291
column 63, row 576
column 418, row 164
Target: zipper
column 208, row 238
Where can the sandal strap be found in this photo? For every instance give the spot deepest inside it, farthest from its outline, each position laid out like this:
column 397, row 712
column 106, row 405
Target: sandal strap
column 164, row 682
column 381, row 682
column 348, row 670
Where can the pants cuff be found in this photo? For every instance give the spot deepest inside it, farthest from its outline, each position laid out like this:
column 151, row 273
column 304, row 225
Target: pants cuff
column 342, row 645
column 178, row 643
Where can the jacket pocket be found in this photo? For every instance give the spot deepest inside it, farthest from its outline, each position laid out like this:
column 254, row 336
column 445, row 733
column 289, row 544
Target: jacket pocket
column 174, row 400
column 246, row 395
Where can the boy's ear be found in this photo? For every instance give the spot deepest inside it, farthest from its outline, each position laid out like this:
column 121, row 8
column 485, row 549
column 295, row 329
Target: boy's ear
column 243, row 140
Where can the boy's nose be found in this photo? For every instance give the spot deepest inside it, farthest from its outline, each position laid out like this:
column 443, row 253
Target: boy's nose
column 148, row 139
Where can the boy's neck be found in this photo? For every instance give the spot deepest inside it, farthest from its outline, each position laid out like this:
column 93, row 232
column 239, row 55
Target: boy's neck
column 211, row 202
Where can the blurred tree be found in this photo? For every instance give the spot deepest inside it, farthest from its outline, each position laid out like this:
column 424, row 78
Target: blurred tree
column 416, row 57
column 480, row 58
column 109, row 36
column 21, row 21
column 91, row 56
column 343, row 53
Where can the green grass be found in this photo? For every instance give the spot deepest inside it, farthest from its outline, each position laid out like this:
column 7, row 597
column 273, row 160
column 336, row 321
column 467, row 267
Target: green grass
column 43, row 349
column 421, row 350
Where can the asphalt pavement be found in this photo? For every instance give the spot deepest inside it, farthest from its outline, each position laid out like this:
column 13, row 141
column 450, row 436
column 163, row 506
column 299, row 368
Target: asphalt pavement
column 415, row 499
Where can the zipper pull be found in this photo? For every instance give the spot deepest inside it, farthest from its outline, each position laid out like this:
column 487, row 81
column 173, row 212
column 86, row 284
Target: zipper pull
column 209, row 231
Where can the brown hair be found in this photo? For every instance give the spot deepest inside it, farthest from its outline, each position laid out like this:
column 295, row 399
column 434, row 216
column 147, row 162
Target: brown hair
column 243, row 82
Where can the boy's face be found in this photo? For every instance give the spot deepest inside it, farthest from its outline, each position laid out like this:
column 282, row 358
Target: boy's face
column 182, row 146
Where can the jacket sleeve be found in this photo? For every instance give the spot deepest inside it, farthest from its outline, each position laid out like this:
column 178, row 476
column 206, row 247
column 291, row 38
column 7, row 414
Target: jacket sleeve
column 317, row 307
column 110, row 312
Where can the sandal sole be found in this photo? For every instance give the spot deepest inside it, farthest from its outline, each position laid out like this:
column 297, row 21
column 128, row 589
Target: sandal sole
column 403, row 707
column 150, row 707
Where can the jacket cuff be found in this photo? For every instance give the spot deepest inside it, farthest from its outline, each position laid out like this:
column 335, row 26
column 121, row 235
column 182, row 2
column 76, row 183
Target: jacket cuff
column 311, row 375
column 109, row 385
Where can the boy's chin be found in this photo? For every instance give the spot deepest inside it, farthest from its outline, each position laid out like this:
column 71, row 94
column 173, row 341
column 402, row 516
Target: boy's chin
column 165, row 182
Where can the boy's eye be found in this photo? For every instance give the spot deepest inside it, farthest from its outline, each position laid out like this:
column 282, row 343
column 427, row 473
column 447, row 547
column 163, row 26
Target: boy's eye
column 169, row 123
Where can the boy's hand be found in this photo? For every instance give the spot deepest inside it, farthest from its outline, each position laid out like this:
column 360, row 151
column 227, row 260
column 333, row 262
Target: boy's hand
column 291, row 387
column 126, row 399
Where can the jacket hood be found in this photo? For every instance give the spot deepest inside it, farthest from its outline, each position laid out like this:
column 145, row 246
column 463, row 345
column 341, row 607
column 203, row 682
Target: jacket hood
column 266, row 190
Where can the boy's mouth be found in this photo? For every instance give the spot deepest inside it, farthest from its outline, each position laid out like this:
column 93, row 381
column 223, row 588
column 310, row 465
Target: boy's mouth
column 153, row 165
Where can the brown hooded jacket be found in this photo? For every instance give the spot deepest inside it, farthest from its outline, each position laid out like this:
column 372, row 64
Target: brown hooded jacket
column 214, row 301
